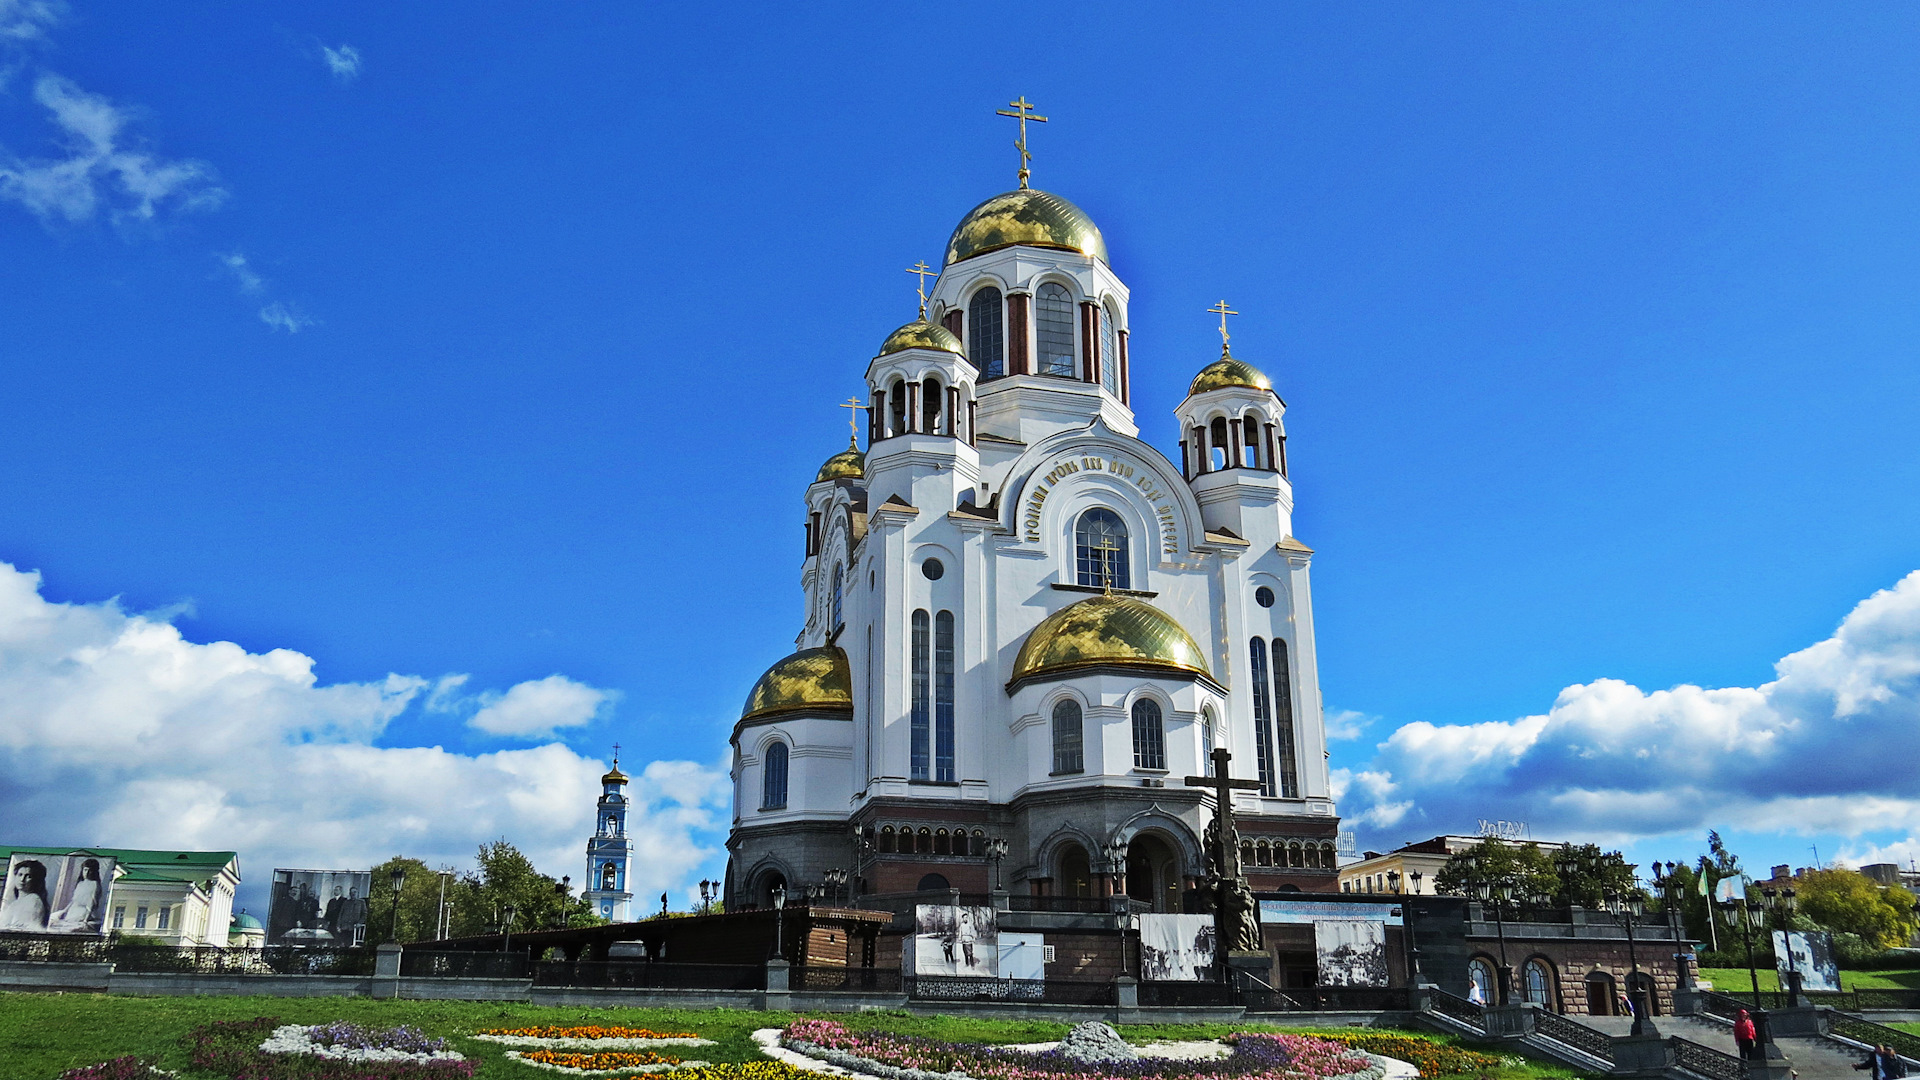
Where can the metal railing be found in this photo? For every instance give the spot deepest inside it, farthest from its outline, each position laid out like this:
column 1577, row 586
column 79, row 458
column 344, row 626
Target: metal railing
column 212, row 960
column 648, row 975
column 1705, row 1060
column 53, row 950
column 1327, row 999
column 1572, row 1033
column 1051, row 991
column 465, row 965
column 1727, row 1006
column 1073, row 905
column 1860, row 1029
column 846, row 980
column 1188, row 995
column 1459, row 1008
column 1844, row 1000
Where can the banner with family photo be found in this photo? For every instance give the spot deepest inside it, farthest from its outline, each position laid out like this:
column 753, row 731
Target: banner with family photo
column 1811, row 954
column 319, row 907
column 56, row 894
column 1176, row 948
column 1351, row 952
column 951, row 939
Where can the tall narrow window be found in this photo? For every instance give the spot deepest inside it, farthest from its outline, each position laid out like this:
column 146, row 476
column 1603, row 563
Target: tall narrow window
column 943, row 697
column 931, row 398
column 1283, row 712
column 1067, row 757
column 898, row 408
column 839, row 590
column 1149, row 735
column 1218, row 454
column 986, row 344
column 1100, row 550
column 1262, row 718
column 1109, row 353
column 1053, row 330
column 773, row 777
column 1206, row 741
column 920, row 735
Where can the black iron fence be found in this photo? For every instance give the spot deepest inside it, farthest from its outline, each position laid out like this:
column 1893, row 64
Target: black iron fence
column 465, row 965
column 1188, row 995
column 1705, row 1060
column 1327, row 999
column 1862, row 1030
column 649, row 975
column 1049, row 991
column 1574, row 1034
column 846, row 980
column 1073, row 905
column 1467, row 1012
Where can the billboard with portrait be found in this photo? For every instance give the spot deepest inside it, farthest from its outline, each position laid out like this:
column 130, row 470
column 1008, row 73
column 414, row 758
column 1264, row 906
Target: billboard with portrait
column 953, row 939
column 1176, row 948
column 319, row 907
column 1351, row 952
column 1811, row 954
column 56, row 894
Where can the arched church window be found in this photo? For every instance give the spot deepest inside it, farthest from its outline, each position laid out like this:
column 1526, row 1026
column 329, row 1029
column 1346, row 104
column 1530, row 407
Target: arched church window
column 1109, row 353
column 943, row 771
column 1263, row 854
column 886, row 840
column 1327, row 860
column 609, row 877
column 1246, row 853
column 941, row 843
column 1283, row 718
column 1067, row 747
column 979, row 843
column 1538, row 983
column 1312, row 854
column 931, row 398
column 1293, row 856
column 920, row 722
column 773, row 777
column 1053, row 330
column 1206, row 741
column 1262, row 717
column 1100, row 550
column 1218, row 453
column 1149, row 735
column 1250, row 440
column 839, row 591
column 923, row 841
column 986, row 344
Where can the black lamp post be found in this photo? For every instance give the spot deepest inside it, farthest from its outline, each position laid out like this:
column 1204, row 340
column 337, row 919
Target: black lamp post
column 506, row 927
column 997, row 850
column 397, row 878
column 779, row 921
column 1625, row 909
column 1487, row 891
column 561, row 891
column 706, row 894
column 835, row 879
column 1666, row 880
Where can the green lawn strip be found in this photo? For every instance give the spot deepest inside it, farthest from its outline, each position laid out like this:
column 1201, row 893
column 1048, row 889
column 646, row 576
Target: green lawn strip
column 1738, row 981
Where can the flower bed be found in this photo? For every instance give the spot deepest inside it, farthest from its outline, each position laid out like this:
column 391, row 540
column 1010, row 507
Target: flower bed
column 589, row 1037
column 264, row 1049
column 120, row 1068
column 602, row 1065
column 1430, row 1057
column 900, row 1057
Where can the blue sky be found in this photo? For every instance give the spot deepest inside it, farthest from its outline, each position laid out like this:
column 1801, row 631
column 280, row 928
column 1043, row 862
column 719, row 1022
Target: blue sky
column 499, row 343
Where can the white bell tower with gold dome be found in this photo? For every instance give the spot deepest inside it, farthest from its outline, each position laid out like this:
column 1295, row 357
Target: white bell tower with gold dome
column 1023, row 623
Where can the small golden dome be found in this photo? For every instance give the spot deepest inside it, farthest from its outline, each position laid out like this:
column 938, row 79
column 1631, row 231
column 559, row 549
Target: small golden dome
column 809, row 679
column 1028, row 217
column 1108, row 630
column 1226, row 372
column 848, row 464
column 921, row 334
column 614, row 775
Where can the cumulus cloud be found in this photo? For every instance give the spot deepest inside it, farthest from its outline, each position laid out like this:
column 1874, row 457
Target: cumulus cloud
column 115, row 730
column 100, row 166
column 1826, row 746
column 538, row 707
column 28, row 20
column 243, row 274
column 344, row 62
column 281, row 315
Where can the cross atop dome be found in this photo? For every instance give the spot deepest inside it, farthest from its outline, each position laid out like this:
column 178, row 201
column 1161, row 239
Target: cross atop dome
column 1023, row 109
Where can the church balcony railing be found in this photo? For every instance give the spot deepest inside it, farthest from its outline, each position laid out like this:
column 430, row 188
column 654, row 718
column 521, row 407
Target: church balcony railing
column 643, row 974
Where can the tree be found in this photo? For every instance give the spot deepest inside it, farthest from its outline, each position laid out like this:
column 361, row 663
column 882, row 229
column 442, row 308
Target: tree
column 1851, row 903
column 1593, row 875
column 477, row 900
column 1518, row 872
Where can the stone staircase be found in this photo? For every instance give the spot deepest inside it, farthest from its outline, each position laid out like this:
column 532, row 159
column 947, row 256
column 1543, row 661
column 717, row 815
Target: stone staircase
column 1813, row 1057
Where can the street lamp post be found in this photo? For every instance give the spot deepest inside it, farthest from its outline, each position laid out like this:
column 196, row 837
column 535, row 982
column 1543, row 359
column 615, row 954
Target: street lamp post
column 997, row 850
column 1665, row 878
column 706, row 894
column 561, row 894
column 506, row 927
column 397, row 878
column 1625, row 909
column 835, row 878
column 779, row 921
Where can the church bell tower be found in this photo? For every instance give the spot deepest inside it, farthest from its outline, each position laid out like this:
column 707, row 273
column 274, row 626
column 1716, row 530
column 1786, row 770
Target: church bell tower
column 608, row 850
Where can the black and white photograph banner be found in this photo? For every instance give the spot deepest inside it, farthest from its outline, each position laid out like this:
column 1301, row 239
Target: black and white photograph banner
column 1351, row 952
column 56, row 894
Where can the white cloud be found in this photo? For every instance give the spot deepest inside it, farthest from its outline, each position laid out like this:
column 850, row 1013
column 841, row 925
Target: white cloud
column 344, row 62
column 28, row 20
column 281, row 315
column 243, row 274
column 1826, row 747
column 539, row 706
column 99, row 167
column 1345, row 724
column 117, row 730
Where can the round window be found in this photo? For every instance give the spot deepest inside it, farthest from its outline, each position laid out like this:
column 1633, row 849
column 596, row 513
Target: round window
column 932, row 569
column 1263, row 596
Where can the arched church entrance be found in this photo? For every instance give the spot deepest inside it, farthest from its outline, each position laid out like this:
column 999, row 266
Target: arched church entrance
column 1153, row 873
column 772, row 882
column 1600, row 994
column 1076, row 871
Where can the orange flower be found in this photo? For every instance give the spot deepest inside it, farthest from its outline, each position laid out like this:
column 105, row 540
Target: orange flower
column 587, row 1031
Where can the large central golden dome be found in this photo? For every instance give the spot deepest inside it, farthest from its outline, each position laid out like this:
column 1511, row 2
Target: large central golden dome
column 811, row 679
column 1109, row 630
column 1025, row 216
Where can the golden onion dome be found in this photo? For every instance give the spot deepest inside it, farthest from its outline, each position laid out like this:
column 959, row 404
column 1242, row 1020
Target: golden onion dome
column 1226, row 372
column 921, row 334
column 1108, row 630
column 614, row 775
column 1026, row 216
column 809, row 679
column 848, row 464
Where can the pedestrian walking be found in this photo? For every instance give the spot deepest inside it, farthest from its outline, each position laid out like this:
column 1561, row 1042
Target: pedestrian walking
column 1744, row 1035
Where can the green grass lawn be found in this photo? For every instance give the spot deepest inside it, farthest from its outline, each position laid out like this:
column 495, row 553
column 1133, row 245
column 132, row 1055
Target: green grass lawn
column 43, row 1034
column 1738, row 981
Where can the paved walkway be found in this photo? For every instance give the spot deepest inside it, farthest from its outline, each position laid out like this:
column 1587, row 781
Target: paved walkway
column 1813, row 1059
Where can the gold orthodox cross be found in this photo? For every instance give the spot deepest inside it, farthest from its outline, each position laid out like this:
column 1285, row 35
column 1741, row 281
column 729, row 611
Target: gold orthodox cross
column 923, row 270
column 1221, row 309
column 1023, row 110
column 853, row 404
column 616, row 754
column 1106, row 552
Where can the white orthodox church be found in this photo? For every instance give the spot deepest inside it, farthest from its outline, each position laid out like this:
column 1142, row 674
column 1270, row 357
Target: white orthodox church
column 1024, row 624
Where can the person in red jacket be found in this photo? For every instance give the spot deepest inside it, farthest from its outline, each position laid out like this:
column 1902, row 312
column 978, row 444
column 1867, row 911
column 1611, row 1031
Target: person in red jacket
column 1744, row 1035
